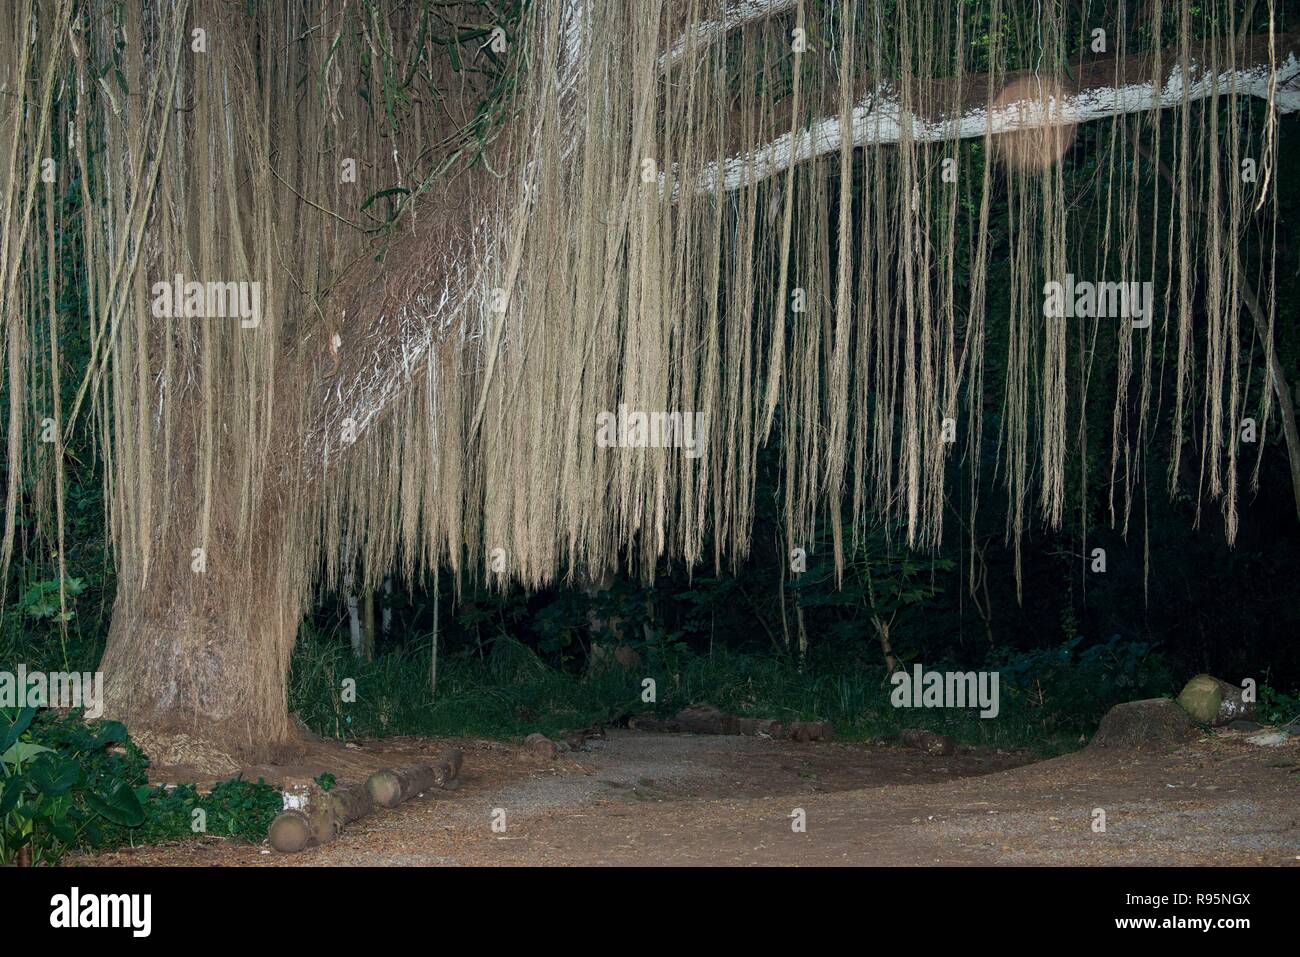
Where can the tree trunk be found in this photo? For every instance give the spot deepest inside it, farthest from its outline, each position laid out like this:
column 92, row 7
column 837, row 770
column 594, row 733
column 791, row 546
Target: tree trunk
column 386, row 614
column 201, row 653
column 354, row 626
column 368, row 626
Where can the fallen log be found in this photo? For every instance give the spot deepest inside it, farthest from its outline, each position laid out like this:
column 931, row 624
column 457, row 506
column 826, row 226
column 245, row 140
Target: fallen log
column 756, row 726
column 321, row 819
column 1212, row 701
column 646, row 722
column 390, row 787
column 706, row 719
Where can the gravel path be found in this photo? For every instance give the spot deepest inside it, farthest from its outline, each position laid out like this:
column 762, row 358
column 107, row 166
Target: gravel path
column 638, row 798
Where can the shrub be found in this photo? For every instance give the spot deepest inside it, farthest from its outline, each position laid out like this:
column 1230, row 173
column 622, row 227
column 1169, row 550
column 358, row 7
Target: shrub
column 68, row 784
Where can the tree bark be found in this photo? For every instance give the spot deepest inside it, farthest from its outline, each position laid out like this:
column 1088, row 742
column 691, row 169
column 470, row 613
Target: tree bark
column 205, row 657
column 321, row 820
column 368, row 626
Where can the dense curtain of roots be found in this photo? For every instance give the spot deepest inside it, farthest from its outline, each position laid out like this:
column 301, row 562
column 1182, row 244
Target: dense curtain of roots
column 642, row 234
column 837, row 306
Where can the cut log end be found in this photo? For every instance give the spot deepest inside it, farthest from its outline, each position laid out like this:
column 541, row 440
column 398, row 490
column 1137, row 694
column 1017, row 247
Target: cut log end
column 321, row 820
column 290, row 832
column 390, row 787
column 1214, row 702
column 385, row 789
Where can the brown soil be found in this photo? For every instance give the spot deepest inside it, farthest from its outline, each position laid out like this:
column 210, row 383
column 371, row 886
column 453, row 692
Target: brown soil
column 641, row 798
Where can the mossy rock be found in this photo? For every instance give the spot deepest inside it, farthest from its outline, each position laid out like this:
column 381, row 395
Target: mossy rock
column 1214, row 702
column 1151, row 723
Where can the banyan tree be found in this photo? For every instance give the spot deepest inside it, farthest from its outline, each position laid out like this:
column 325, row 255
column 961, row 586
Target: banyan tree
column 360, row 278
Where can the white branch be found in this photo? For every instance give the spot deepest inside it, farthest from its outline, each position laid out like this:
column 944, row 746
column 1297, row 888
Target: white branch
column 444, row 291
column 707, row 32
column 443, row 297
column 880, row 120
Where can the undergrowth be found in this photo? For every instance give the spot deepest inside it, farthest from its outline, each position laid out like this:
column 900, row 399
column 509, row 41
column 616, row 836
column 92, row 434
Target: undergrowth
column 1050, row 699
column 68, row 784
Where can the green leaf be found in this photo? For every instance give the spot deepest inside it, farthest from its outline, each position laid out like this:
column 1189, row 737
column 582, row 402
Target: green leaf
column 64, row 831
column 110, row 732
column 20, row 724
column 10, row 793
column 54, row 777
column 20, row 751
column 119, row 806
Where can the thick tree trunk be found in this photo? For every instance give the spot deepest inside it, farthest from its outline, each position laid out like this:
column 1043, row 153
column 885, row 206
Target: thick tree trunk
column 201, row 653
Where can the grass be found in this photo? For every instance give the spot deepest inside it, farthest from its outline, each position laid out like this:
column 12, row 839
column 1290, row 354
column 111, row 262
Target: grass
column 509, row 692
column 1051, row 698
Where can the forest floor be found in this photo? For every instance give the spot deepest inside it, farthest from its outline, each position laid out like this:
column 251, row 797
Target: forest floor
column 663, row 799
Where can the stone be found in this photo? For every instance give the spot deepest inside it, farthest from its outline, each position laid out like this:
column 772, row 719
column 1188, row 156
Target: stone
column 1150, row 723
column 1270, row 739
column 540, row 745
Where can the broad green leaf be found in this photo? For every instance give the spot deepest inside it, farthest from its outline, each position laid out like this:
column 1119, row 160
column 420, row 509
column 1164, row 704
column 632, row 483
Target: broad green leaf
column 20, row 724
column 119, row 806
column 20, row 751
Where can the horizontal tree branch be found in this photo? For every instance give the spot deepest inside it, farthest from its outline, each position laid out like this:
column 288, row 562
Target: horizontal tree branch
column 705, row 33
column 1103, row 87
column 390, row 318
column 393, row 320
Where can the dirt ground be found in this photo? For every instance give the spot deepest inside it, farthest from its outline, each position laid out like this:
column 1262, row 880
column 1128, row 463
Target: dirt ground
column 665, row 799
